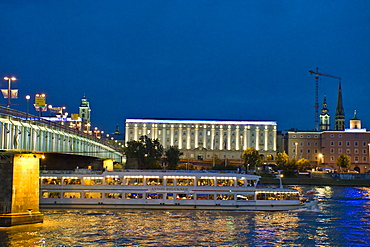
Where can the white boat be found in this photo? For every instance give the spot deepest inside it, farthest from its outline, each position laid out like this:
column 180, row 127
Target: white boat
column 143, row 189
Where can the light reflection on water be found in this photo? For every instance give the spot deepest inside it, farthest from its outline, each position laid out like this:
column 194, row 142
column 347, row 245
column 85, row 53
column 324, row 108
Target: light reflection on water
column 343, row 220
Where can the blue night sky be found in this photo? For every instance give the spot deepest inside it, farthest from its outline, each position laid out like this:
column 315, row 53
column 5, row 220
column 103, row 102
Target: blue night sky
column 210, row 59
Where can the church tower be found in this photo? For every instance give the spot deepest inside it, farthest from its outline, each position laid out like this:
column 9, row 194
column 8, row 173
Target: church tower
column 339, row 114
column 324, row 117
column 355, row 123
column 84, row 112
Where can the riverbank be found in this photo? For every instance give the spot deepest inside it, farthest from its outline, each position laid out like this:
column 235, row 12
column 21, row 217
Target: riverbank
column 317, row 181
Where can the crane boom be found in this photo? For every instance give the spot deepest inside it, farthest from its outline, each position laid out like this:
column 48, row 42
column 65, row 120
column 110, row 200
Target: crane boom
column 317, row 74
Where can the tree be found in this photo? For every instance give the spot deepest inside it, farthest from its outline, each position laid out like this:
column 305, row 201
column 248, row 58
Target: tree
column 251, row 157
column 173, row 157
column 303, row 164
column 282, row 160
column 145, row 151
column 343, row 161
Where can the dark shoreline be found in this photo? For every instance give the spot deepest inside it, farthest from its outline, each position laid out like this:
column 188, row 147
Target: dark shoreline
column 317, row 181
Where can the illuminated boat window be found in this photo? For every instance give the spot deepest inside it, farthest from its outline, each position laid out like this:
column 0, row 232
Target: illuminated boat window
column 134, row 196
column 205, row 182
column 185, row 196
column 240, row 182
column 93, row 180
column 72, row 195
column 134, row 181
column 154, row 181
column 113, row 180
column 169, row 196
column 154, row 196
column 72, row 181
column 205, row 197
column 225, row 197
column 113, row 195
column 170, row 182
column 184, row 181
column 51, row 195
column 51, row 180
column 93, row 195
column 244, row 197
column 225, row 182
column 251, row 183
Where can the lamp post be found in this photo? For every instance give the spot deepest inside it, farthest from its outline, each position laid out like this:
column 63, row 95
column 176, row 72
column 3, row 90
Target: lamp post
column 9, row 79
column 28, row 105
column 296, row 150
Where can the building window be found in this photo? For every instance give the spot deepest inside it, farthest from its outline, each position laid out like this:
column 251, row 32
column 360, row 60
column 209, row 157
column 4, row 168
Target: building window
column 364, row 144
column 364, row 158
column 308, row 136
column 340, row 136
column 332, row 135
column 316, row 136
column 301, row 136
column 308, row 151
column 340, row 144
column 331, row 143
column 356, row 144
column 315, row 151
column 331, row 158
column 308, row 144
column 356, row 158
column 293, row 136
column 364, row 151
column 356, row 151
column 315, row 144
column 348, row 144
column 332, row 150
column 339, row 150
column 348, row 151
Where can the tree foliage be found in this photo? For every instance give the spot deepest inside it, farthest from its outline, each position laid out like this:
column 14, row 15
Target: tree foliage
column 251, row 157
column 343, row 161
column 282, row 159
column 172, row 157
column 146, row 151
column 303, row 164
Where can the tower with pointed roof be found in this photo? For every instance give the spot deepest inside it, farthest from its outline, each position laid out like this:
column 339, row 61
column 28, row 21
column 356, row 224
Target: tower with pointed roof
column 324, row 117
column 339, row 114
column 84, row 112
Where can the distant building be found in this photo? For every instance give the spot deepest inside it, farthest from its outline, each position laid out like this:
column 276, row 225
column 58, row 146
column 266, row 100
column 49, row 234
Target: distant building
column 323, row 148
column 85, row 113
column 201, row 139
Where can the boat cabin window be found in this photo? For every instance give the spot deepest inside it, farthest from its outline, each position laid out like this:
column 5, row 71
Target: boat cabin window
column 205, row 196
column 71, row 181
column 184, row 196
column 184, row 181
column 113, row 180
column 154, row 196
column 225, row 182
column 245, row 197
column 169, row 196
column 205, row 182
column 93, row 195
column 277, row 196
column 134, row 181
column 170, row 181
column 240, row 182
column 51, row 195
column 225, row 197
column 113, row 195
column 93, row 181
column 56, row 181
column 251, row 183
column 154, row 181
column 72, row 195
column 133, row 196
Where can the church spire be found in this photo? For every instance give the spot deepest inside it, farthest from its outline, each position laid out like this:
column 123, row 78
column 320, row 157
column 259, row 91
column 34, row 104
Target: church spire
column 339, row 114
column 324, row 116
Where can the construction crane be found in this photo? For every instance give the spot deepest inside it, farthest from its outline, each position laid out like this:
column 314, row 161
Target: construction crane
column 317, row 74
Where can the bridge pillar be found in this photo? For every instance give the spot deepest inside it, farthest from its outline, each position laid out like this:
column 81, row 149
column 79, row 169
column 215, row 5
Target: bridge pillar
column 19, row 189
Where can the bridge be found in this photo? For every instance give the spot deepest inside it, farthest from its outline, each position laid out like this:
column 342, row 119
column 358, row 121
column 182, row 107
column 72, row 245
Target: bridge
column 21, row 132
column 23, row 140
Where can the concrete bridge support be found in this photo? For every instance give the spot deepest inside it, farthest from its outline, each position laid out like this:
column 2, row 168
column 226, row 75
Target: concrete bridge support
column 19, row 189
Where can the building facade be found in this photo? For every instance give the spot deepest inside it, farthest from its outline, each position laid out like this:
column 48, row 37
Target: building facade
column 322, row 149
column 200, row 139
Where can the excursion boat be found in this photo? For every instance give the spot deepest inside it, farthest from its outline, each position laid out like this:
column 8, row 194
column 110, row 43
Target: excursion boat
column 143, row 189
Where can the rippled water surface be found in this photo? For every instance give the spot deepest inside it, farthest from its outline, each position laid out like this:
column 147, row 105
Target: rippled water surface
column 342, row 218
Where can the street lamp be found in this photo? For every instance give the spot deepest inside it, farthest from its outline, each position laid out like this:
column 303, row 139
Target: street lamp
column 296, row 150
column 28, row 105
column 9, row 79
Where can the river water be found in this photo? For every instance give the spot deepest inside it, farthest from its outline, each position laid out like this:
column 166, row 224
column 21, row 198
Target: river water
column 341, row 218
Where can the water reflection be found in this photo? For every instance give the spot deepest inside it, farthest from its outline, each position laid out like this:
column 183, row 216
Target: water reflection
column 343, row 220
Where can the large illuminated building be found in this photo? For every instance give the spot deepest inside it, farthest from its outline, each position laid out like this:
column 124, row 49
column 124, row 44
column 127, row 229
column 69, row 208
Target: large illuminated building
column 201, row 139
